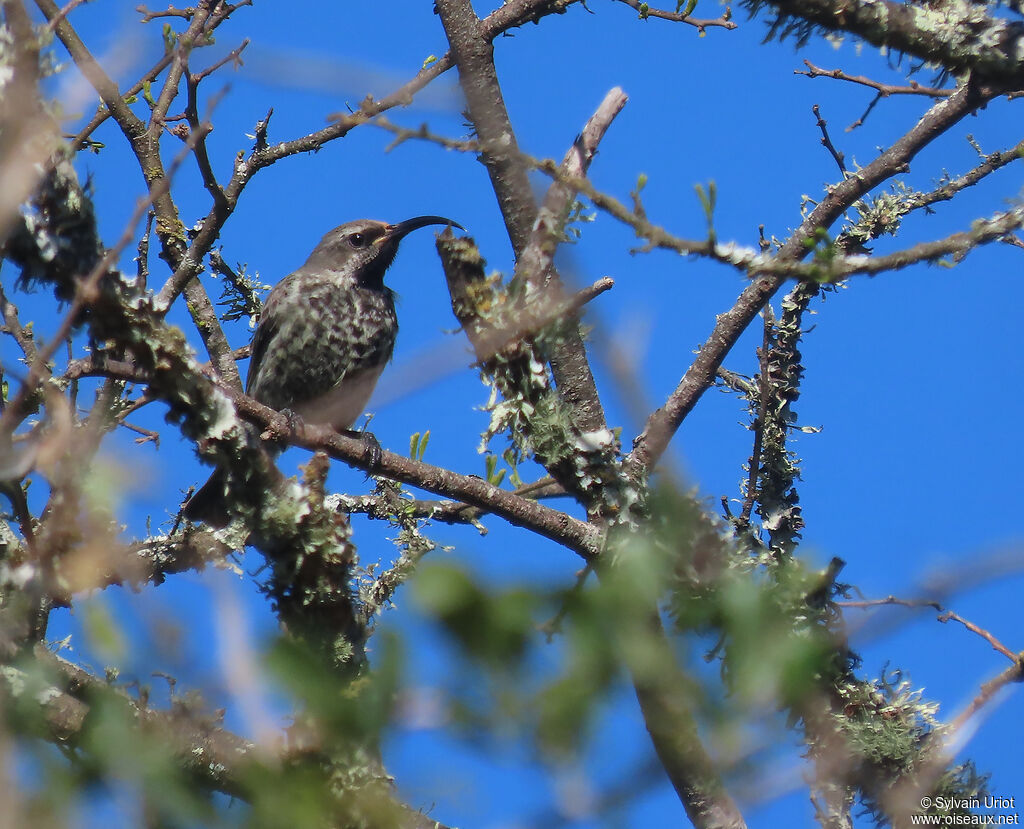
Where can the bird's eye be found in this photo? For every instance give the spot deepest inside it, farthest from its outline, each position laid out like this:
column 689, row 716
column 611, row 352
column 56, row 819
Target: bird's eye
column 358, row 240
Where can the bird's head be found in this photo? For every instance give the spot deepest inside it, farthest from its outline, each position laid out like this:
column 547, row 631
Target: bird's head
column 364, row 249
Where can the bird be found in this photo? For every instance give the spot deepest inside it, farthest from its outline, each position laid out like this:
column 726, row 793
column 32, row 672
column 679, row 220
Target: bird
column 324, row 335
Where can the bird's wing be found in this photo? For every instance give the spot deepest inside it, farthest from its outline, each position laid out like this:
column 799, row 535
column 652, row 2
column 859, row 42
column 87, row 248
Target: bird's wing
column 266, row 329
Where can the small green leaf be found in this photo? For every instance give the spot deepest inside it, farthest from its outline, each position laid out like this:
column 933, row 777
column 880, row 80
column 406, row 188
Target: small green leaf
column 708, row 201
column 170, row 38
column 492, row 474
column 430, row 59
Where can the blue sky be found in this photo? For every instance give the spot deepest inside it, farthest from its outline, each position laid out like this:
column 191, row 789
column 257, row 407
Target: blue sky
column 913, row 375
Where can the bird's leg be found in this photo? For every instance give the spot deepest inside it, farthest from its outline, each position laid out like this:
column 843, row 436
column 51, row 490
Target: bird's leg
column 372, row 451
column 282, row 436
column 295, row 421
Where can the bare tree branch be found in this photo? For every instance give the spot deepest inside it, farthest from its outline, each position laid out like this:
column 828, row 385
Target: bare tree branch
column 725, row 21
column 883, row 89
column 569, row 363
column 663, row 423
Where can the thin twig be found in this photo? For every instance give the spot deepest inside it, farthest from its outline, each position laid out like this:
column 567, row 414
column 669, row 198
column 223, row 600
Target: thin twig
column 990, row 164
column 645, row 11
column 890, row 600
column 170, row 11
column 148, row 436
column 12, row 325
column 826, row 142
column 949, row 615
column 884, row 89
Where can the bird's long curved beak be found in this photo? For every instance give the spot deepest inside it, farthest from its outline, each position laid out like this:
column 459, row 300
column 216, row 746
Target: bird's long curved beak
column 396, row 232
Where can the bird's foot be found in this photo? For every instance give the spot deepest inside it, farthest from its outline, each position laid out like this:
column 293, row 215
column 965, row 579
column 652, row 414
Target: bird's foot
column 372, row 451
column 295, row 421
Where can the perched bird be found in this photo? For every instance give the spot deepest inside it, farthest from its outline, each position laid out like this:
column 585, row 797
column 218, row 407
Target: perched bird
column 324, row 336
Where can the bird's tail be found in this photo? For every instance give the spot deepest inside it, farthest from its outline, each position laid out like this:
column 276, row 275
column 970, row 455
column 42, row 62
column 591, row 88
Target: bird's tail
column 209, row 503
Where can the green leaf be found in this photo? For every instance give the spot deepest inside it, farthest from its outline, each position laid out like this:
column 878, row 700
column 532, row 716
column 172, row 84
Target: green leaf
column 418, row 445
column 170, row 38
column 708, row 201
column 492, row 474
column 492, row 627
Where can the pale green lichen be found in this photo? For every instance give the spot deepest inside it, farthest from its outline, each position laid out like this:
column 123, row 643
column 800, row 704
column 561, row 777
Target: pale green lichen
column 223, row 422
column 964, row 28
column 15, row 680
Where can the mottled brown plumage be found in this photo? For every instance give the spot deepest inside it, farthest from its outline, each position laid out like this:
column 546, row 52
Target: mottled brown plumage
column 324, row 336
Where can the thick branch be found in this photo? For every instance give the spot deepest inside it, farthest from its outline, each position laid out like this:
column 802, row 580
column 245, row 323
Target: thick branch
column 202, row 748
column 569, row 364
column 957, row 35
column 534, row 234
column 141, row 563
column 576, row 535
column 107, row 89
column 474, row 56
column 199, row 744
column 673, row 731
column 445, row 511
